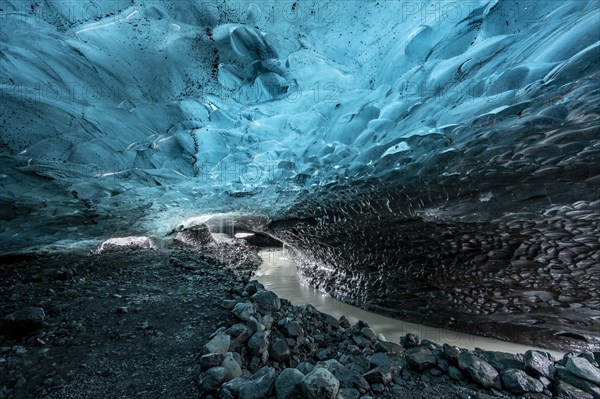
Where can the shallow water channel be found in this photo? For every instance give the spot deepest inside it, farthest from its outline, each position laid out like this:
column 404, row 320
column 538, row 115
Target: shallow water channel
column 278, row 274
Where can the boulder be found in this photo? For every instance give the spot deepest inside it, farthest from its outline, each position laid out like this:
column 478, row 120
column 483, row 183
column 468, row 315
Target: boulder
column 231, row 366
column 320, row 384
column 259, row 342
column 212, row 379
column 279, row 351
column 582, row 368
column 519, row 382
column 479, row 370
column 266, row 301
column 567, row 391
column 219, row 344
column 244, row 310
column 288, row 384
column 409, row 340
column 293, row 329
column 538, row 364
column 420, row 358
column 502, row 361
column 261, row 384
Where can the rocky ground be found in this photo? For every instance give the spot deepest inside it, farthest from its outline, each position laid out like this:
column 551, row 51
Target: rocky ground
column 273, row 349
column 124, row 324
column 182, row 323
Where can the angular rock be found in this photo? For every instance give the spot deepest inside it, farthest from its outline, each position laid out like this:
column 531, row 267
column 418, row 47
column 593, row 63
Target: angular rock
column 519, row 382
column 240, row 334
column 582, row 368
column 266, row 301
column 219, row 344
column 346, row 377
column 211, row 360
column 538, row 364
column 348, row 393
column 379, row 375
column 259, row 342
column 288, row 384
column 479, row 370
column 293, row 329
column 369, row 334
column 261, row 384
column 380, row 359
column 568, row 391
column 231, row 366
column 279, row 351
column 566, row 376
column 244, row 310
column 212, row 379
column 320, row 384
column 420, row 358
column 305, row 367
column 389, row 347
column 455, row 373
column 502, row 361
column 409, row 340
column 231, row 389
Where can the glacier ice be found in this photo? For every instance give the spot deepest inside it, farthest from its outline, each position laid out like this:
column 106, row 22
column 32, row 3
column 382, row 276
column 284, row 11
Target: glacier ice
column 128, row 118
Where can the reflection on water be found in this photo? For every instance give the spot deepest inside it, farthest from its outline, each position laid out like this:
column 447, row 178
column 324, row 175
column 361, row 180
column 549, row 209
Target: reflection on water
column 278, row 274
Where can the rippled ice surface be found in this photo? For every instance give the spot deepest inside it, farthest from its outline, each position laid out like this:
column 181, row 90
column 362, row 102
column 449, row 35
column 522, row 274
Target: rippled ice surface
column 278, row 273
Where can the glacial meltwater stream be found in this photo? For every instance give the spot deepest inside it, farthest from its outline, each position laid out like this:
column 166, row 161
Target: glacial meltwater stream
column 278, row 274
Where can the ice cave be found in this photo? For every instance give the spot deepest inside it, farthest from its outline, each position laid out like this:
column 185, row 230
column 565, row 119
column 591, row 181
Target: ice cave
column 434, row 162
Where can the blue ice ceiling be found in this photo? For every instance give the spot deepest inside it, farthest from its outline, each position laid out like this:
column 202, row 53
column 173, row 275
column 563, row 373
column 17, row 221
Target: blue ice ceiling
column 128, row 117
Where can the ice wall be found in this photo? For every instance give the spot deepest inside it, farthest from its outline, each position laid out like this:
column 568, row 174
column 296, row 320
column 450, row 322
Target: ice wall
column 127, row 117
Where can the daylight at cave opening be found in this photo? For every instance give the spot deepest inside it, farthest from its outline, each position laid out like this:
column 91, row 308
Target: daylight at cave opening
column 427, row 162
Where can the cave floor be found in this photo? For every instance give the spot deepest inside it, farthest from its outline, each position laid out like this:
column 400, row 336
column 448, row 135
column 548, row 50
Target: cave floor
column 117, row 325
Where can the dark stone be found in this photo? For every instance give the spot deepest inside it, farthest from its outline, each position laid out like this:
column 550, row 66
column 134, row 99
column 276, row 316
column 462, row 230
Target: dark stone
column 409, row 340
column 582, row 368
column 389, row 347
column 244, row 310
column 380, row 359
column 212, row 379
column 538, row 364
column 502, row 361
column 259, row 342
column 518, row 382
column 568, row 391
column 346, row 377
column 420, row 358
column 267, row 301
column 293, row 329
column 480, row 371
column 348, row 393
column 455, row 373
column 288, row 384
column 453, row 352
column 567, row 376
column 379, row 375
column 320, row 384
column 260, row 385
column 211, row 360
column 23, row 320
column 218, row 344
column 280, row 351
